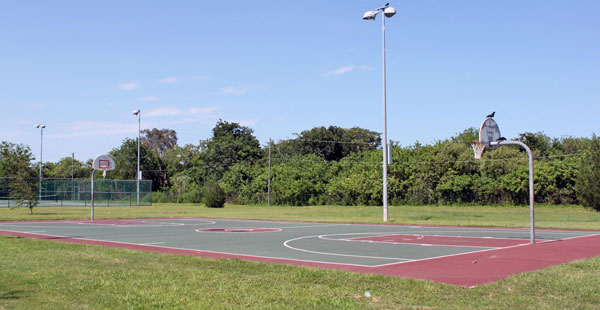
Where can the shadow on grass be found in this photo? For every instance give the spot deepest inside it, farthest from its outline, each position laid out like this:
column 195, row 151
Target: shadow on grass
column 13, row 295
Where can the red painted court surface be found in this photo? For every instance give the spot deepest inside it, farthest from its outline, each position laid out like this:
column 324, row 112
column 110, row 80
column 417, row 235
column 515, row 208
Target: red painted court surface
column 446, row 240
column 462, row 256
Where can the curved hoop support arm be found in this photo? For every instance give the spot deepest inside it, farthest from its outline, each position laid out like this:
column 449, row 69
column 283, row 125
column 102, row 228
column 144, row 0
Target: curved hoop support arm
column 531, row 198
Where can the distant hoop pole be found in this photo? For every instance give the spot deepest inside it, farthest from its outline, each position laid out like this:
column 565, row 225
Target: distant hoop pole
column 531, row 198
column 92, row 194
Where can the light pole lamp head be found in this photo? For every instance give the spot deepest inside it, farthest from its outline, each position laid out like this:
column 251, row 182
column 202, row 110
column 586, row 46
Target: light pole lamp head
column 389, row 11
column 136, row 112
column 370, row 15
column 40, row 126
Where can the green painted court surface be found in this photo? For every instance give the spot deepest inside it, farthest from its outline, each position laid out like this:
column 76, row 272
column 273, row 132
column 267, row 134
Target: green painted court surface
column 320, row 243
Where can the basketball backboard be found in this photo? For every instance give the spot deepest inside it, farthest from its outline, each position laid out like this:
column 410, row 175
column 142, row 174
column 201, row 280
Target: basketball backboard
column 489, row 132
column 103, row 162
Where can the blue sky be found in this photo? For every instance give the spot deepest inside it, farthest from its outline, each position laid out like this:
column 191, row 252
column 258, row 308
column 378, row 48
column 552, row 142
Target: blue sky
column 281, row 67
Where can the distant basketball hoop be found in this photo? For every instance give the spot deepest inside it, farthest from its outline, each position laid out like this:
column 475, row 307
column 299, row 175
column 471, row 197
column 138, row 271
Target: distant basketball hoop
column 104, row 163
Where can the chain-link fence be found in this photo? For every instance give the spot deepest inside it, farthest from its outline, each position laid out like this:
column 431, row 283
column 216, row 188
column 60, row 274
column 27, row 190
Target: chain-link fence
column 76, row 192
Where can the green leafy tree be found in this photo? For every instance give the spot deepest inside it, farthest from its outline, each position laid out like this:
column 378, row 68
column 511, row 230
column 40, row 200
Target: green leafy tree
column 466, row 136
column 555, row 180
column 539, row 143
column 25, row 188
column 160, row 140
column 299, row 181
column 15, row 162
column 569, row 146
column 65, row 167
column 332, row 143
column 246, row 183
column 125, row 158
column 179, row 159
column 358, row 179
column 230, row 144
column 13, row 158
column 588, row 181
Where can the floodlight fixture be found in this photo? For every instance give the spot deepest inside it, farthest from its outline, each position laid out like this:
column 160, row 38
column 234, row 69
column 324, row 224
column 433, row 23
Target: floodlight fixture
column 389, row 11
column 135, row 112
column 40, row 126
column 370, row 15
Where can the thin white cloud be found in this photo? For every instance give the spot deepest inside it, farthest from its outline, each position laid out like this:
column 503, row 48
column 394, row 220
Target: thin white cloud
column 38, row 105
column 128, row 86
column 248, row 122
column 237, row 90
column 150, row 99
column 94, row 128
column 201, row 78
column 366, row 68
column 14, row 133
column 169, row 80
column 340, row 71
column 169, row 111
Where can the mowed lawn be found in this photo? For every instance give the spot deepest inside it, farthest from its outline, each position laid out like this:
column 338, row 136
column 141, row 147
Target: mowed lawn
column 41, row 274
column 559, row 217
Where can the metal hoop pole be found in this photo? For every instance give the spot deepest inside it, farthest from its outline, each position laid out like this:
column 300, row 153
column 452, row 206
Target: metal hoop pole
column 531, row 194
column 92, row 194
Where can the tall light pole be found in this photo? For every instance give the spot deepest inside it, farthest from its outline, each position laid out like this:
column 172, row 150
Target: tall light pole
column 41, row 127
column 388, row 11
column 139, row 115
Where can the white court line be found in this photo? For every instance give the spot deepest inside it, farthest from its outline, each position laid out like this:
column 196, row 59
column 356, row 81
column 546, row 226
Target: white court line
column 152, row 243
column 201, row 221
column 334, row 254
column 313, row 226
column 387, row 233
column 419, row 237
column 401, row 243
column 508, row 247
column 59, row 227
column 213, row 252
column 304, row 260
column 135, row 226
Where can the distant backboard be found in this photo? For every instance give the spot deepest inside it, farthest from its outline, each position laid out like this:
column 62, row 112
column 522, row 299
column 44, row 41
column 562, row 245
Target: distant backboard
column 489, row 132
column 103, row 162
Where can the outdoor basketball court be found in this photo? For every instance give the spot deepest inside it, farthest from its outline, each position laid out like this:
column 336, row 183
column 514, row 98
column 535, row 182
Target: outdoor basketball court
column 458, row 255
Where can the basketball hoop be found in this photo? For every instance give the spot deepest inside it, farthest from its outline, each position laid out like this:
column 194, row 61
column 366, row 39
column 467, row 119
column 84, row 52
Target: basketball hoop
column 104, row 163
column 478, row 148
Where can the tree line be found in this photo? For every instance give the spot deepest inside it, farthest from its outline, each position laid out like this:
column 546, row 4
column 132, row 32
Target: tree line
column 333, row 165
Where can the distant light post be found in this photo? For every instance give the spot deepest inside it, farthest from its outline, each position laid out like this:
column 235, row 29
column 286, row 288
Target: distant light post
column 388, row 11
column 139, row 115
column 41, row 127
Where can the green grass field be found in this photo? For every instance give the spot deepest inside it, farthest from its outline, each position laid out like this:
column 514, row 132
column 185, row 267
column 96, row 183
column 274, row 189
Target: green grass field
column 560, row 217
column 40, row 274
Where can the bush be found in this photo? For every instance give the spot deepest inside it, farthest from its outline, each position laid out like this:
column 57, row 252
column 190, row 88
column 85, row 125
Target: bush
column 588, row 182
column 214, row 196
column 193, row 195
column 161, row 197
